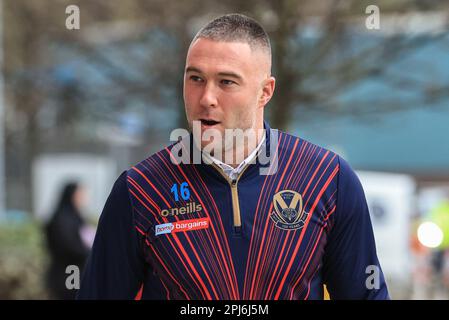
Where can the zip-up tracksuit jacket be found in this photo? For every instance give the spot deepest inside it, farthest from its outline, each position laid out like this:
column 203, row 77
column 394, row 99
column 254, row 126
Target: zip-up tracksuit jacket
column 186, row 231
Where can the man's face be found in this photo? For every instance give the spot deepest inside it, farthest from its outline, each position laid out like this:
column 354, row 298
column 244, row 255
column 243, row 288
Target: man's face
column 226, row 85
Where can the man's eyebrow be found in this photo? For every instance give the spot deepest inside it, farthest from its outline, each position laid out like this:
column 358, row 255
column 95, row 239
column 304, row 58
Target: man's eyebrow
column 231, row 74
column 223, row 74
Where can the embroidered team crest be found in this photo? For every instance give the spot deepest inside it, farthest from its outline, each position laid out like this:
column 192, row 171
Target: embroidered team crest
column 288, row 211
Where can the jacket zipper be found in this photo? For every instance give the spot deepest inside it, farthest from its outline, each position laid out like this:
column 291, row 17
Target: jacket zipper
column 234, row 195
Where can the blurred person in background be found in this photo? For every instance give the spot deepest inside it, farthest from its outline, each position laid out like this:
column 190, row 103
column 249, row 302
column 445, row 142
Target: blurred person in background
column 68, row 240
column 439, row 215
column 430, row 244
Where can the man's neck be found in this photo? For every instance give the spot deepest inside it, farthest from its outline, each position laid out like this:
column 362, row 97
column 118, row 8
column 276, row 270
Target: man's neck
column 235, row 156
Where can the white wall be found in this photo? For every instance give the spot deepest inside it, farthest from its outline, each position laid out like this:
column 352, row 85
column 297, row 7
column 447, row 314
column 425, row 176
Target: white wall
column 50, row 173
column 392, row 201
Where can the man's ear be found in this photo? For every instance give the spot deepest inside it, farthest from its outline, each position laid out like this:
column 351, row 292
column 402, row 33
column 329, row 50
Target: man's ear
column 268, row 86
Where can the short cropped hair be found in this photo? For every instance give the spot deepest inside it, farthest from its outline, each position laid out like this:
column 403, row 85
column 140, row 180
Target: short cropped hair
column 236, row 28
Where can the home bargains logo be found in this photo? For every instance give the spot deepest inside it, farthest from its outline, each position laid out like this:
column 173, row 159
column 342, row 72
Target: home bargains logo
column 181, row 226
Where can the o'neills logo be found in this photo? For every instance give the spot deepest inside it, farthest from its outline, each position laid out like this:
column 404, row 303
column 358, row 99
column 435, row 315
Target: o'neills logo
column 191, row 207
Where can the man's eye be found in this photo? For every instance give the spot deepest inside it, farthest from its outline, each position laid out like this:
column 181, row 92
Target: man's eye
column 227, row 82
column 195, row 78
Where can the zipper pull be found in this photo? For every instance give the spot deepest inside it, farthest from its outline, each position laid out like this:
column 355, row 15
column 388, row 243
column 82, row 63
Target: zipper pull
column 237, row 231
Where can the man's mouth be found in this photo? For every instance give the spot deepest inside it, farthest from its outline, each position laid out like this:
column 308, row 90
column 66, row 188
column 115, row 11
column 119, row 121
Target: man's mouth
column 208, row 122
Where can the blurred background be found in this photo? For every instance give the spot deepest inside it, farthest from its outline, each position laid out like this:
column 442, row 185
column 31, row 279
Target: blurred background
column 80, row 105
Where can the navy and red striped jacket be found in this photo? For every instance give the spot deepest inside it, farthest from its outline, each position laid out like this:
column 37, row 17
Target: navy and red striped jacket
column 185, row 231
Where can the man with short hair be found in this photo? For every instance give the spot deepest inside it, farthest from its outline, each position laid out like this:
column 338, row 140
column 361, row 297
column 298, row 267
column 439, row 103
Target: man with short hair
column 266, row 216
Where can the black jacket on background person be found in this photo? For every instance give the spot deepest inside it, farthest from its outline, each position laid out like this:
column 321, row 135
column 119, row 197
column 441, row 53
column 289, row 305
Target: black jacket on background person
column 65, row 244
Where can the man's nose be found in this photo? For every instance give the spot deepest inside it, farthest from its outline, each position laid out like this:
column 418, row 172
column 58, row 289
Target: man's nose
column 209, row 97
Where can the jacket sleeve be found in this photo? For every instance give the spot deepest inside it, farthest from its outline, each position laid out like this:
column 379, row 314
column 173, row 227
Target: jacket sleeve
column 115, row 267
column 351, row 269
